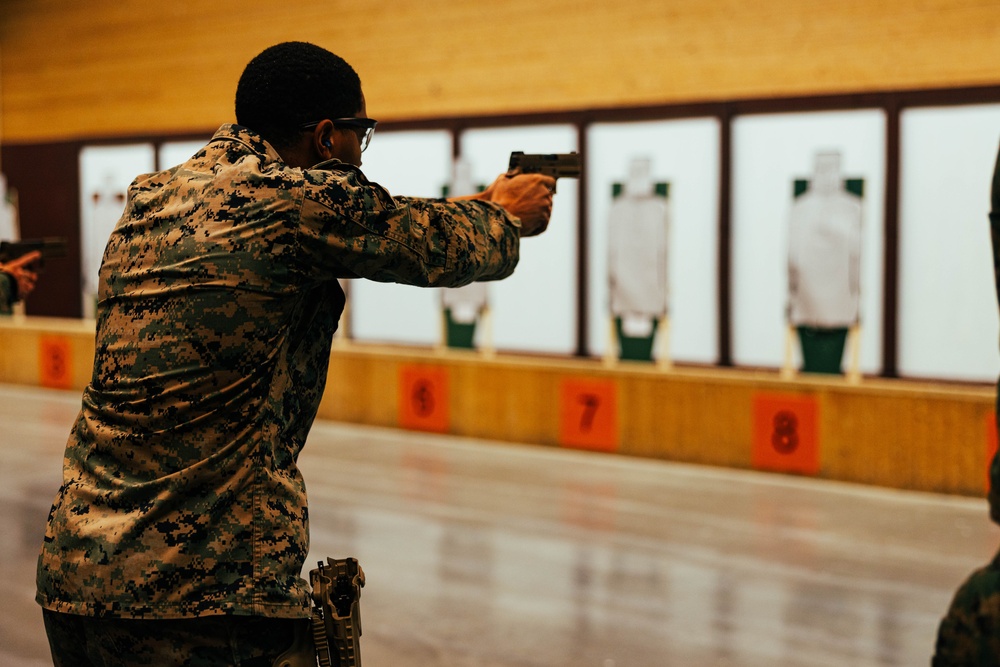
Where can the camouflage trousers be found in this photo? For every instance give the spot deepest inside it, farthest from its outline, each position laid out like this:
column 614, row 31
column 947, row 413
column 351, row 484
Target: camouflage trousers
column 214, row 641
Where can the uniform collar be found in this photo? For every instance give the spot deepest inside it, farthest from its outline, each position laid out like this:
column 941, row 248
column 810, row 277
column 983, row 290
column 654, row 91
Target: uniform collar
column 243, row 135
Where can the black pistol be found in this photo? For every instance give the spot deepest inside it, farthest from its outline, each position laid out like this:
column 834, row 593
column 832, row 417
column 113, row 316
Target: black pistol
column 54, row 246
column 556, row 165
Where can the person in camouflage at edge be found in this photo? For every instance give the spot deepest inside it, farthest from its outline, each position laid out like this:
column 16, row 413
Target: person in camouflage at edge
column 180, row 529
column 969, row 634
column 17, row 280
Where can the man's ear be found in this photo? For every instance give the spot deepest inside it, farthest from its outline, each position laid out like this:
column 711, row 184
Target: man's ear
column 323, row 139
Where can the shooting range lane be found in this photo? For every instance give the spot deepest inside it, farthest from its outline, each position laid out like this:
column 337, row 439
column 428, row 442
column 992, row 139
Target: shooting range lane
column 495, row 555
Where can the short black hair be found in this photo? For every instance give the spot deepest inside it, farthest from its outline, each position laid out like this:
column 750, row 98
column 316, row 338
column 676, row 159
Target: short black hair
column 292, row 83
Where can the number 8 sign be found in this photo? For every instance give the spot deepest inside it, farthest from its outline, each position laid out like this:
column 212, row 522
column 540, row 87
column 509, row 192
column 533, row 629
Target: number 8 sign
column 784, row 433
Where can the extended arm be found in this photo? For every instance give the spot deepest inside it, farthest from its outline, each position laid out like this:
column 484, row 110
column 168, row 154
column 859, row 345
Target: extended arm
column 352, row 226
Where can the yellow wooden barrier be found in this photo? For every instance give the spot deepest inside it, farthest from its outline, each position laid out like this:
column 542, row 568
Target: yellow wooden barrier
column 922, row 436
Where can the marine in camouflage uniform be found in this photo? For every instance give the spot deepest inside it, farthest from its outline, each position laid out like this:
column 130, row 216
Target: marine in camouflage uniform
column 969, row 634
column 219, row 297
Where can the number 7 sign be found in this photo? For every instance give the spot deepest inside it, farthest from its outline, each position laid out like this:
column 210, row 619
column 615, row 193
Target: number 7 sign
column 588, row 414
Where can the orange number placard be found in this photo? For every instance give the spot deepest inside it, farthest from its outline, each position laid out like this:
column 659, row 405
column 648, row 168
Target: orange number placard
column 785, row 437
column 55, row 362
column 588, row 414
column 423, row 398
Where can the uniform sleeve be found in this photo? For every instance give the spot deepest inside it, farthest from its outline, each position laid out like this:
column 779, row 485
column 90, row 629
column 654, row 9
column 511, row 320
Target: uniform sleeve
column 956, row 638
column 968, row 634
column 350, row 226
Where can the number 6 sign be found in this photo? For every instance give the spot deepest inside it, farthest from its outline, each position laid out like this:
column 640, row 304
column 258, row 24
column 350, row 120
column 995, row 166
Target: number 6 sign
column 55, row 362
column 423, row 398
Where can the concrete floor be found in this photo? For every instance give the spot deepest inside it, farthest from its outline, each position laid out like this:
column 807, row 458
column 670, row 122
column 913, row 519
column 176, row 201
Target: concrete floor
column 493, row 555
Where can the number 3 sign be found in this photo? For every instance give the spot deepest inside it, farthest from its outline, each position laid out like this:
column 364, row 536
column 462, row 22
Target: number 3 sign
column 784, row 433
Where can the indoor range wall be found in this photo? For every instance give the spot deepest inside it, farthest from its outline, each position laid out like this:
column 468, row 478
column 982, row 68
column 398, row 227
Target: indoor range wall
column 732, row 100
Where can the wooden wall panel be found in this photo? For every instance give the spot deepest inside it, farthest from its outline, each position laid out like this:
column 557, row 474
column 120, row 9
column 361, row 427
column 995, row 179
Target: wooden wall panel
column 696, row 418
column 107, row 67
column 21, row 346
column 523, row 412
column 369, row 397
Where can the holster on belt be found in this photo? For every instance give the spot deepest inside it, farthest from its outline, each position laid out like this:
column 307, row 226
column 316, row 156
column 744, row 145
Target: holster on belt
column 336, row 619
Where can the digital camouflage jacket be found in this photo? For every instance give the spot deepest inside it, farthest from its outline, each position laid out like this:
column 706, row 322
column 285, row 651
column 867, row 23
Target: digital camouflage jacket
column 969, row 634
column 218, row 300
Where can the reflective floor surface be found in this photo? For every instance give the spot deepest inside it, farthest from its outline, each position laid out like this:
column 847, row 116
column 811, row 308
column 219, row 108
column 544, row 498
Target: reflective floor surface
column 492, row 555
